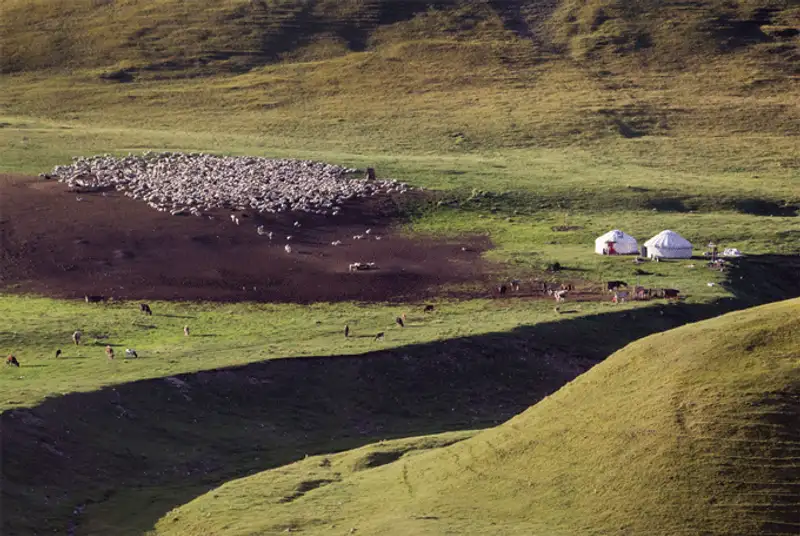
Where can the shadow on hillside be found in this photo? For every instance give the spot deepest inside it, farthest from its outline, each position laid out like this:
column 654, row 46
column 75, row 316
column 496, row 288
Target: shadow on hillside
column 119, row 448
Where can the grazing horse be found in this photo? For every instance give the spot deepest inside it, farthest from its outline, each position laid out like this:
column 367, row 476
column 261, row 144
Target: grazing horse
column 428, row 309
column 110, row 352
column 11, row 360
column 145, row 308
column 399, row 322
column 379, row 336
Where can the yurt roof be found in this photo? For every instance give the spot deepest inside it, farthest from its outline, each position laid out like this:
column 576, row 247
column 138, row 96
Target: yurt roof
column 616, row 236
column 668, row 240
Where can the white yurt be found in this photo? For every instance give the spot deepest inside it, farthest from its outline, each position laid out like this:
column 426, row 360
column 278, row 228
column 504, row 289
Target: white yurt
column 621, row 243
column 668, row 245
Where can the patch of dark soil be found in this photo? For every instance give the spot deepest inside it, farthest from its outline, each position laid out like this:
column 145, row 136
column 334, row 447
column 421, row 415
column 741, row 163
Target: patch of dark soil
column 376, row 459
column 760, row 279
column 565, row 228
column 762, row 207
column 54, row 244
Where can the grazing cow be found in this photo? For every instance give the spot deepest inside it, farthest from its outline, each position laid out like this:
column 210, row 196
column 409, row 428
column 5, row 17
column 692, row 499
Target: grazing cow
column 620, row 296
column 614, row 285
column 560, row 295
column 76, row 337
column 94, row 299
column 12, row 360
column 671, row 293
column 399, row 322
column 145, row 308
column 346, row 331
column 428, row 309
column 515, row 285
column 379, row 336
column 502, row 289
column 58, row 352
column 129, row 352
column 109, row 352
column 185, row 331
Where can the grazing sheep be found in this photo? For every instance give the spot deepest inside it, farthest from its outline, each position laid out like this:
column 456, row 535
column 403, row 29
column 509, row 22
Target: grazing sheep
column 76, row 337
column 289, row 238
column 358, row 237
column 58, row 353
column 185, row 331
column 399, row 322
column 336, row 243
column 287, row 248
column 109, row 352
column 368, row 231
column 12, row 360
column 260, row 230
column 379, row 336
column 129, row 352
column 296, row 224
column 361, row 266
column 145, row 308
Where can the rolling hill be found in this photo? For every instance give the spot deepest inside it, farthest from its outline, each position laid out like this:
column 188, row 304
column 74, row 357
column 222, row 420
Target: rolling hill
column 690, row 431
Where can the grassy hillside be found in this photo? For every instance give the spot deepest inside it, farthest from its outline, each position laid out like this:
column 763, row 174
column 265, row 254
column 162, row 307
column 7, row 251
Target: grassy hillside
column 692, row 430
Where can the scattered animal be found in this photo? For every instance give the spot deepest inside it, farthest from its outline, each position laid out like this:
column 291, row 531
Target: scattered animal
column 129, row 352
column 94, row 299
column 515, row 285
column 358, row 237
column 289, row 238
column 377, row 237
column 78, row 198
column 614, row 285
column 260, row 230
column 368, row 231
column 399, row 322
column 234, row 219
column 379, row 336
column 58, row 352
column 361, row 266
column 110, row 352
column 346, row 331
column 336, row 243
column 297, row 224
column 145, row 308
column 671, row 293
column 12, row 360
column 76, row 337
column 428, row 309
column 502, row 289
column 560, row 295
column 288, row 248
column 185, row 331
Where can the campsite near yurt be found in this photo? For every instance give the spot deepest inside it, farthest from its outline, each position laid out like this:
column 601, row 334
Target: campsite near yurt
column 334, row 267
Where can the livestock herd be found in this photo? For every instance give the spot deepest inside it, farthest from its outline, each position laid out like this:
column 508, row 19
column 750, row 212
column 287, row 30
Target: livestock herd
column 198, row 183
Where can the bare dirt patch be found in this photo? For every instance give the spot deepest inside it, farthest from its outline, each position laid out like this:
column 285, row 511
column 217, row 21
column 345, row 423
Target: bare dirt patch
column 54, row 244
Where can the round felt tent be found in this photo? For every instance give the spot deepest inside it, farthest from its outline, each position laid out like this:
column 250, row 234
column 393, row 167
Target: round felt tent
column 668, row 245
column 616, row 243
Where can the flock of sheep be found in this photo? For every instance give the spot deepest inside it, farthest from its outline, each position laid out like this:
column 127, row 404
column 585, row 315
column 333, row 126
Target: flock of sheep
column 195, row 183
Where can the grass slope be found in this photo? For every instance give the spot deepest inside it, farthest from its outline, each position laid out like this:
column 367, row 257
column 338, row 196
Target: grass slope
column 688, row 431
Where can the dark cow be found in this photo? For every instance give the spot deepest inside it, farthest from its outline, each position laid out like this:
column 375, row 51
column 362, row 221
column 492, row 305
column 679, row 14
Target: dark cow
column 502, row 289
column 143, row 307
column 671, row 293
column 428, row 309
column 614, row 285
column 94, row 299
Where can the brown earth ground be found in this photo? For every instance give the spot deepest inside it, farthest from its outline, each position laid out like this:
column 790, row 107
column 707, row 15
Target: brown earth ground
column 110, row 245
